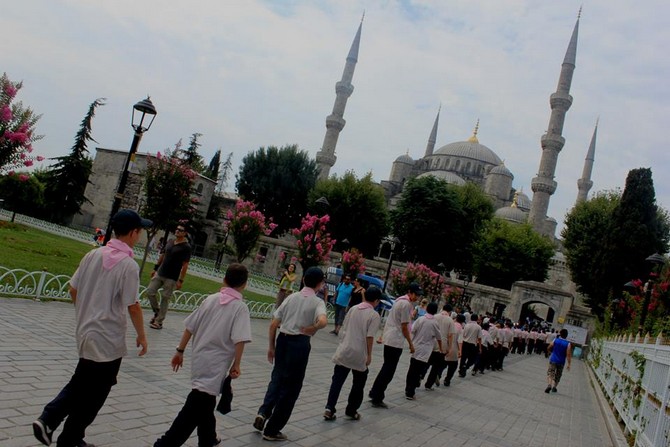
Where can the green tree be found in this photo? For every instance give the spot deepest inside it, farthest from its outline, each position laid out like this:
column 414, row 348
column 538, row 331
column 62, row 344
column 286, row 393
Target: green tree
column 212, row 170
column 191, row 156
column 506, row 252
column 278, row 181
column 477, row 212
column 428, row 222
column 586, row 227
column 357, row 211
column 67, row 179
column 22, row 194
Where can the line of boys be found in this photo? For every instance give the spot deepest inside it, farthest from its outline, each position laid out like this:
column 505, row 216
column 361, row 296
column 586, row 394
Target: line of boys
column 532, row 341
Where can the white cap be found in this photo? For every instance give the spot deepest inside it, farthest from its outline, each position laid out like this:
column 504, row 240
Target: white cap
column 486, row 320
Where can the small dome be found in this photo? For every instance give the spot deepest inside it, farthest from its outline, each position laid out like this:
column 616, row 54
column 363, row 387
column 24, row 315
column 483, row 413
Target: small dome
column 512, row 214
column 448, row 177
column 470, row 149
column 404, row 158
column 501, row 169
column 523, row 201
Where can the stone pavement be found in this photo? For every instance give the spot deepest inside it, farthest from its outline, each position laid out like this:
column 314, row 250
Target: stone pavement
column 510, row 408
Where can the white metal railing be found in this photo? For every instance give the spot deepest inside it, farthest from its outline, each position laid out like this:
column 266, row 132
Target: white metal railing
column 635, row 377
column 47, row 286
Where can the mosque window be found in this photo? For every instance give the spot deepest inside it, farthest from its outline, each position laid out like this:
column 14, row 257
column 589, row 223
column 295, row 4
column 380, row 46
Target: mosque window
column 467, row 168
column 199, row 189
column 458, row 165
column 479, row 169
column 447, row 163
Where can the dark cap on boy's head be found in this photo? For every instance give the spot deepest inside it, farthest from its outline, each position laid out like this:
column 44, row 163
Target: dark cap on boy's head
column 313, row 277
column 415, row 288
column 125, row 221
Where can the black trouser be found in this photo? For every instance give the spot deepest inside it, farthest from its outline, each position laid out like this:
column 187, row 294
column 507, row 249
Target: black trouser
column 451, row 366
column 522, row 346
column 198, row 411
column 385, row 375
column 291, row 357
column 469, row 353
column 436, row 365
column 483, row 359
column 80, row 400
column 340, row 374
column 413, row 379
column 531, row 346
column 516, row 345
column 501, row 358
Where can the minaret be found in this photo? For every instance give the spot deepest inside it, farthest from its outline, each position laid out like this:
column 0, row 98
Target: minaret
column 432, row 139
column 325, row 158
column 584, row 184
column 552, row 142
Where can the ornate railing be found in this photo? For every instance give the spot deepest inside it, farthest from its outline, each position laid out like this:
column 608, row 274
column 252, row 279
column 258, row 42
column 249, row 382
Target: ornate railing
column 47, row 286
column 635, row 376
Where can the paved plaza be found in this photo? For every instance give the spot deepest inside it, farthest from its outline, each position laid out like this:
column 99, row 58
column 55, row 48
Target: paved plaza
column 509, row 408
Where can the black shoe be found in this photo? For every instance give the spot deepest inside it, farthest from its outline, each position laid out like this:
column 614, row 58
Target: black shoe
column 279, row 436
column 554, row 390
column 259, row 422
column 329, row 415
column 83, row 443
column 461, row 374
column 547, row 389
column 447, row 383
column 437, row 381
column 42, row 433
column 378, row 404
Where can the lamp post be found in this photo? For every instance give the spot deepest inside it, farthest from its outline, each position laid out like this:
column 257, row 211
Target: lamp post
column 466, row 281
column 393, row 241
column 655, row 260
column 146, row 111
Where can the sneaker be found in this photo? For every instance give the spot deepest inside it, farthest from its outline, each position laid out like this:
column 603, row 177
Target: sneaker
column 447, row 383
column 333, row 332
column 378, row 404
column 474, row 372
column 329, row 415
column 42, row 433
column 155, row 325
column 429, row 388
column 410, row 397
column 461, row 374
column 554, row 390
column 259, row 422
column 279, row 436
column 353, row 416
column 437, row 381
column 83, row 443
column 547, row 389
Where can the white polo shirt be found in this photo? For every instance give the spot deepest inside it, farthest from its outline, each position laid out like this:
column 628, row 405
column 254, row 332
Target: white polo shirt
column 453, row 352
column 101, row 308
column 446, row 326
column 361, row 322
column 471, row 332
column 216, row 329
column 425, row 333
column 401, row 312
column 299, row 310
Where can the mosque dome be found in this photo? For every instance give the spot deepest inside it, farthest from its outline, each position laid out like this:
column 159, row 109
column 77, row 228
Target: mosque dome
column 405, row 158
column 523, row 201
column 449, row 177
column 471, row 149
column 512, row 214
column 501, row 169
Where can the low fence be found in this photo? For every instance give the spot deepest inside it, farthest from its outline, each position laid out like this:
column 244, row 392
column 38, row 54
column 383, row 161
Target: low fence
column 47, row 286
column 635, row 376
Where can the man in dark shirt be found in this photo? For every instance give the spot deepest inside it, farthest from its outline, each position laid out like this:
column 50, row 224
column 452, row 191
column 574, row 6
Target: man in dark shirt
column 169, row 274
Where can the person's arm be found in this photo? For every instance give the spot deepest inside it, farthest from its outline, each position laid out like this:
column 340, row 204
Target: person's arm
column 321, row 322
column 182, row 274
column 569, row 355
column 73, row 295
column 272, row 335
column 135, row 312
column 158, row 264
column 408, row 337
column 178, row 358
column 370, row 341
column 450, row 340
column 235, row 370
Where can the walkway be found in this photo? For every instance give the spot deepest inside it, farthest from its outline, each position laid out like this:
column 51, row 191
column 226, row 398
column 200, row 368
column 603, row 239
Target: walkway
column 506, row 409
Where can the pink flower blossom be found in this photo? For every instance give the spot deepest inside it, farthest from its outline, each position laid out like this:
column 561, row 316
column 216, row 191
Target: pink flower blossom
column 23, row 177
column 5, row 114
column 10, row 90
column 29, row 148
column 40, row 158
column 22, row 155
column 11, row 173
column 28, row 163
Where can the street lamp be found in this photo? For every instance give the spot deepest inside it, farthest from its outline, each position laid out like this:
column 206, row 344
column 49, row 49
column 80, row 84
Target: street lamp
column 146, row 112
column 393, row 241
column 655, row 260
column 466, row 281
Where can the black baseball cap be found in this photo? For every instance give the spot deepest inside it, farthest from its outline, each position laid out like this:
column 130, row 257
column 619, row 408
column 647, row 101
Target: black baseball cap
column 415, row 288
column 125, row 221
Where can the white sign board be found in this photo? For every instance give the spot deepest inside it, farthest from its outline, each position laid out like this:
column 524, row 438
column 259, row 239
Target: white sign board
column 576, row 334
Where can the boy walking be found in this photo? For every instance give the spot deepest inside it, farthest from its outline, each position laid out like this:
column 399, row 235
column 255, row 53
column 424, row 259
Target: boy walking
column 103, row 289
column 220, row 328
column 354, row 353
column 425, row 333
column 299, row 317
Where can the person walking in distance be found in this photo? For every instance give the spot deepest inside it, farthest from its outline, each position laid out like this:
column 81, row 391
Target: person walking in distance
column 425, row 334
column 438, row 357
column 220, row 328
column 396, row 332
column 104, row 287
column 354, row 353
column 169, row 273
column 472, row 345
column 299, row 317
column 286, row 284
column 342, row 297
column 561, row 352
column 454, row 353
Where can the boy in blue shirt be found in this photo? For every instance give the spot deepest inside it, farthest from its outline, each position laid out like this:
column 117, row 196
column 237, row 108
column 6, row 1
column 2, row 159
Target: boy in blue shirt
column 561, row 350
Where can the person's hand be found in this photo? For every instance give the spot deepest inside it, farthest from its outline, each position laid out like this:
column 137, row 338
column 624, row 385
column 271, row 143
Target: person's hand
column 379, row 340
column 568, row 367
column 179, row 284
column 142, row 342
column 411, row 348
column 271, row 355
column 308, row 330
column 153, row 273
column 177, row 361
column 234, row 371
column 368, row 360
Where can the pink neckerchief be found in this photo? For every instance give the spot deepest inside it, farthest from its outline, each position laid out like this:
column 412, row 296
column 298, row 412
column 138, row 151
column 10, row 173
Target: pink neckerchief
column 365, row 305
column 307, row 291
column 228, row 295
column 402, row 298
column 114, row 252
column 429, row 316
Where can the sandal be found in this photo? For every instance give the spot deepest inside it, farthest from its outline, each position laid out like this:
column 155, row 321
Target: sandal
column 329, row 415
column 354, row 417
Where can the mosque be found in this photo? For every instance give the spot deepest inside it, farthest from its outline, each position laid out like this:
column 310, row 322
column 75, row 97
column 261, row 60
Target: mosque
column 470, row 161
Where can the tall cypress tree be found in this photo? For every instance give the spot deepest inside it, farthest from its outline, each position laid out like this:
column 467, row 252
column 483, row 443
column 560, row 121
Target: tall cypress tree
column 214, row 164
column 67, row 179
column 191, row 155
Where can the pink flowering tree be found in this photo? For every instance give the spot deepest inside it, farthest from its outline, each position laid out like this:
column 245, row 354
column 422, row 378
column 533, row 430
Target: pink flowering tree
column 353, row 263
column 313, row 241
column 431, row 282
column 246, row 225
column 627, row 312
column 17, row 127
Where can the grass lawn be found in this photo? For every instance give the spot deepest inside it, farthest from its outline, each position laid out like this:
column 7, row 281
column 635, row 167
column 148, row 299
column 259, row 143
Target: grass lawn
column 27, row 248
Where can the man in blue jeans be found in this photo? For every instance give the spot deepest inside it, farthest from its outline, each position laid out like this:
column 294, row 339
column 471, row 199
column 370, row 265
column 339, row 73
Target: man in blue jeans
column 298, row 317
column 342, row 297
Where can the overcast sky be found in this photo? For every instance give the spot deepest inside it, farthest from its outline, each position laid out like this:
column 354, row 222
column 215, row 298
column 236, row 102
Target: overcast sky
column 254, row 73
